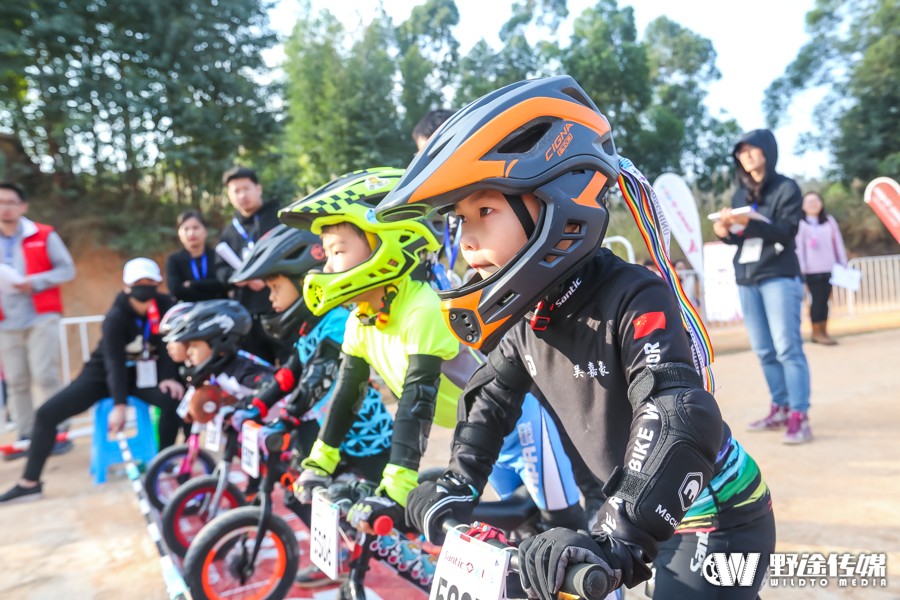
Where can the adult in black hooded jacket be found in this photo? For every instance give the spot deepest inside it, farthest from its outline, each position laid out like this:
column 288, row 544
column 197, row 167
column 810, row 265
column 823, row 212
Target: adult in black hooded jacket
column 130, row 336
column 252, row 219
column 768, row 277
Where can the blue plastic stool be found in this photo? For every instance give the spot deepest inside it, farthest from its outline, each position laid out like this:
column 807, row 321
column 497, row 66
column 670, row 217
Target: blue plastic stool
column 105, row 453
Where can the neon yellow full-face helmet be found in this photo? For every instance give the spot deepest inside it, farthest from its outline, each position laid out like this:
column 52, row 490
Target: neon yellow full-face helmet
column 350, row 199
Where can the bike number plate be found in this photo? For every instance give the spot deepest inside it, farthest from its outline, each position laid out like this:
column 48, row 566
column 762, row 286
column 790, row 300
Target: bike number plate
column 214, row 432
column 250, row 448
column 324, row 541
column 185, row 404
column 469, row 569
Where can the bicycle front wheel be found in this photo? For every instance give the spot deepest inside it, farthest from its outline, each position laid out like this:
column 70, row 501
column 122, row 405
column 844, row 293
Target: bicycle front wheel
column 191, row 507
column 218, row 566
column 163, row 475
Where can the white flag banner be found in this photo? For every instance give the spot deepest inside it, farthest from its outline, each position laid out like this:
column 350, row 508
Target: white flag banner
column 680, row 208
column 721, row 300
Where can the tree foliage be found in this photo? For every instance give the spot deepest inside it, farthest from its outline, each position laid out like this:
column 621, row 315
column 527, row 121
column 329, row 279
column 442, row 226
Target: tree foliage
column 132, row 102
column 118, row 92
column 854, row 51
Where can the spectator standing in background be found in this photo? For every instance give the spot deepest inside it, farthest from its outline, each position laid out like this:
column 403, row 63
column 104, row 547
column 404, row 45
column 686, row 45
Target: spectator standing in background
column 252, row 218
column 130, row 360
column 819, row 247
column 768, row 277
column 30, row 309
column 190, row 272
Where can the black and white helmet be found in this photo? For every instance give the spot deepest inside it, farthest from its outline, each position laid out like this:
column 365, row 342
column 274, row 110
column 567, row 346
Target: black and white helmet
column 223, row 324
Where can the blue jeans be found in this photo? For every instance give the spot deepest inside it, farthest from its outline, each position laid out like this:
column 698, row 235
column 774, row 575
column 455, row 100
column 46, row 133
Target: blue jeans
column 772, row 316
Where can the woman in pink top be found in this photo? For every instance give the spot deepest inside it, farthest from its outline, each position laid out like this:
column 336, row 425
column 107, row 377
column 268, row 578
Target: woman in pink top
column 819, row 247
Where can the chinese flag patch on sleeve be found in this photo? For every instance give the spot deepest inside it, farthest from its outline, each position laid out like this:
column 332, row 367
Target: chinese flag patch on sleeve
column 647, row 323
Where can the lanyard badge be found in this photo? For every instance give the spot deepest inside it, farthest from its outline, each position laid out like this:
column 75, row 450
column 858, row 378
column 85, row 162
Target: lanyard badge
column 201, row 272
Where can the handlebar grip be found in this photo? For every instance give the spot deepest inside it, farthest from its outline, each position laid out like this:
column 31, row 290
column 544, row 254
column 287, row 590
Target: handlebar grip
column 383, row 525
column 586, row 581
column 583, row 580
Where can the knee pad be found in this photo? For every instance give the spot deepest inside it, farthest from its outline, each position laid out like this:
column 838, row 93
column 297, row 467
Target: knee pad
column 671, row 453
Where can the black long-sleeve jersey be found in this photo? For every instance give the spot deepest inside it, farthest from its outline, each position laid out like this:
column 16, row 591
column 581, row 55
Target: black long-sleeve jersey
column 123, row 343
column 610, row 325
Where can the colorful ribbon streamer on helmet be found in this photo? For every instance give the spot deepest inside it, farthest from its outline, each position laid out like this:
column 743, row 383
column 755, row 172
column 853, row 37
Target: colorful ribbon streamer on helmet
column 647, row 213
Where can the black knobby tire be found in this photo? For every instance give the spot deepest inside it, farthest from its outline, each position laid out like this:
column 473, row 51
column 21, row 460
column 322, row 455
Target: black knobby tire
column 166, row 457
column 179, row 506
column 206, row 549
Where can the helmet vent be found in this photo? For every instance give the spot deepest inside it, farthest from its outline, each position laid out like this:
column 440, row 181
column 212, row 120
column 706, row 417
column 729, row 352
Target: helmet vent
column 507, row 298
column 577, row 96
column 607, row 145
column 524, row 140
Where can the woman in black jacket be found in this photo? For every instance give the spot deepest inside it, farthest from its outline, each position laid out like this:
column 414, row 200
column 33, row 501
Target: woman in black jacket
column 190, row 272
column 130, row 360
column 768, row 276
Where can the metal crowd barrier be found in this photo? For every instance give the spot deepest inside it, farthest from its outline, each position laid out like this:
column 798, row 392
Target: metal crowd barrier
column 618, row 239
column 84, row 339
column 879, row 289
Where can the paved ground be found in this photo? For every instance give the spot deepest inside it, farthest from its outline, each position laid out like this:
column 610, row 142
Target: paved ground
column 838, row 494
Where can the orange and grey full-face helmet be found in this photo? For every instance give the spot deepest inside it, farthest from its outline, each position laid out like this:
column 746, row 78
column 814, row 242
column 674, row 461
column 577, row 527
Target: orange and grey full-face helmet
column 545, row 137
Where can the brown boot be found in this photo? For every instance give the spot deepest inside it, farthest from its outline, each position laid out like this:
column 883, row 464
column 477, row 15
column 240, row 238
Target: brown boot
column 820, row 334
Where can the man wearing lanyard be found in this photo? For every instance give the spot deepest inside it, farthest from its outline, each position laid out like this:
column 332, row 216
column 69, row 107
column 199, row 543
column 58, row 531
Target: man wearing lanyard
column 252, row 218
column 130, row 360
column 35, row 262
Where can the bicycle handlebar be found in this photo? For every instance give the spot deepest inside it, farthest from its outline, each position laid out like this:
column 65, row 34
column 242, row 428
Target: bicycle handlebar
column 584, row 580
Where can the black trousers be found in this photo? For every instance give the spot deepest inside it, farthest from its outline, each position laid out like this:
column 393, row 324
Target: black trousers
column 85, row 391
column 679, row 565
column 820, row 290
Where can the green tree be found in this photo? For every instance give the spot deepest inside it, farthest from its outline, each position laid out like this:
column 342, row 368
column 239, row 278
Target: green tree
column 854, row 51
column 681, row 135
column 129, row 92
column 483, row 70
column 315, row 74
column 606, row 58
column 429, row 54
column 342, row 104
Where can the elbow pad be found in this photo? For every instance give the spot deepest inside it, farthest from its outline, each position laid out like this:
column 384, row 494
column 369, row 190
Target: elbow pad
column 317, row 380
column 415, row 411
column 346, row 400
column 670, row 457
column 499, row 371
column 474, row 451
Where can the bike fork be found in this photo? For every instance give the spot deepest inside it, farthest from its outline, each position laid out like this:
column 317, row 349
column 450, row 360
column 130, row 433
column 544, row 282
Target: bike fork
column 193, row 449
column 354, row 588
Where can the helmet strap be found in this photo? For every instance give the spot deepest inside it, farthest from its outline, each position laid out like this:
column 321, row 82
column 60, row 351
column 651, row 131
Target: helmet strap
column 540, row 319
column 383, row 316
column 518, row 205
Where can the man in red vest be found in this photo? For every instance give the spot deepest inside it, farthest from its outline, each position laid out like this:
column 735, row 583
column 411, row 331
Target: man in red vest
column 33, row 263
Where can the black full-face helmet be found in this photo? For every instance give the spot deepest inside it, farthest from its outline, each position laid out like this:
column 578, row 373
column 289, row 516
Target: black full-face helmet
column 223, row 324
column 544, row 137
column 290, row 252
column 173, row 317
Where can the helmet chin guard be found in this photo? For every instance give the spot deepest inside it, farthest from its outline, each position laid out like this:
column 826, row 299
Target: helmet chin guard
column 351, row 198
column 544, row 137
